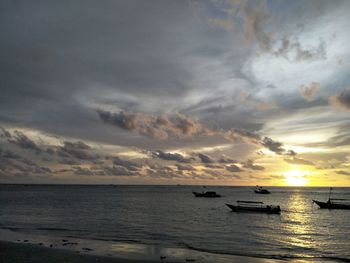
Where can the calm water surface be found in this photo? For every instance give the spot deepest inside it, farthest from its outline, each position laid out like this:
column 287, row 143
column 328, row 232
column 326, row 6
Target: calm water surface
column 171, row 216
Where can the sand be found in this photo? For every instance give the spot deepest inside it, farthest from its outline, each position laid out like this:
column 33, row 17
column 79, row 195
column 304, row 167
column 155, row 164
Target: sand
column 33, row 248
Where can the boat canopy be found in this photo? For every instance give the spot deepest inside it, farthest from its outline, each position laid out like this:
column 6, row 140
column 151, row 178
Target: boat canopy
column 249, row 202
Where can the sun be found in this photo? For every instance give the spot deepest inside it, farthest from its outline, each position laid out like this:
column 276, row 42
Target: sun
column 295, row 178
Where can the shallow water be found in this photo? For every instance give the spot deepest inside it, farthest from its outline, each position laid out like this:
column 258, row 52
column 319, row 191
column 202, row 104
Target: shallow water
column 171, row 216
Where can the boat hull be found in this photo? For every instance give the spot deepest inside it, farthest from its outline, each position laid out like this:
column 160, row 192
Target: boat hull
column 264, row 192
column 206, row 195
column 330, row 205
column 263, row 209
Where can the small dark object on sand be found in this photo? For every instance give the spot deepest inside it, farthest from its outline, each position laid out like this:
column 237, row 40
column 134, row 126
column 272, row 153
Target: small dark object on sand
column 51, row 245
column 162, row 257
column 86, row 249
column 64, row 240
column 40, row 244
column 190, row 260
column 18, row 240
column 26, row 240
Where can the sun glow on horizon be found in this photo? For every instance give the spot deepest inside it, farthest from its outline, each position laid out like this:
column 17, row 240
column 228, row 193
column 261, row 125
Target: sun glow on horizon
column 295, row 178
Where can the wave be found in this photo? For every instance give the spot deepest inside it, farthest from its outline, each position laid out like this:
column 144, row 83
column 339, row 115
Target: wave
column 256, row 255
column 53, row 229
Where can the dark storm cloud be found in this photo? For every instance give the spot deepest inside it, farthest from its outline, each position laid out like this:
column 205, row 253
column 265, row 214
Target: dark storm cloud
column 250, row 165
column 342, row 100
column 70, row 54
column 171, row 156
column 298, row 161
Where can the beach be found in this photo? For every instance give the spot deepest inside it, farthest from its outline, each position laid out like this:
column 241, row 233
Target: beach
column 22, row 248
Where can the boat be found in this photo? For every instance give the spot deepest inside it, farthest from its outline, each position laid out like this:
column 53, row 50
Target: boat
column 252, row 206
column 260, row 190
column 333, row 203
column 206, row 194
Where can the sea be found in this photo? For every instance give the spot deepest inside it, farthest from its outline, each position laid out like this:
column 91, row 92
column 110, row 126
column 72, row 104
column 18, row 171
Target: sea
column 170, row 216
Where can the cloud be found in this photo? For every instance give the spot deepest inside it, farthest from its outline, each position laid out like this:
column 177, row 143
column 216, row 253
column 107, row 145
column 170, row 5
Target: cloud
column 213, row 166
column 82, row 171
column 273, row 146
column 250, row 165
column 79, row 150
column 205, row 158
column 225, row 159
column 235, row 135
column 341, row 101
column 233, row 168
column 309, row 92
column 343, row 172
column 23, row 141
column 182, row 167
column 130, row 165
column 158, row 127
column 117, row 170
column 255, row 16
column 5, row 133
column 158, row 171
column 298, row 161
column 293, row 50
column 171, row 156
column 253, row 20
column 182, row 126
column 14, row 165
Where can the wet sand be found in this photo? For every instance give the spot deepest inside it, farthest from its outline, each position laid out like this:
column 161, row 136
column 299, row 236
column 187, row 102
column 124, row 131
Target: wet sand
column 29, row 248
column 23, row 253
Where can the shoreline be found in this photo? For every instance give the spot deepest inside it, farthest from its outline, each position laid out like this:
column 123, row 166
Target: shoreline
column 26, row 247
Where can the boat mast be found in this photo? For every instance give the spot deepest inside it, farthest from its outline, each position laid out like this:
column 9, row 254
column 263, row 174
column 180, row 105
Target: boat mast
column 330, row 192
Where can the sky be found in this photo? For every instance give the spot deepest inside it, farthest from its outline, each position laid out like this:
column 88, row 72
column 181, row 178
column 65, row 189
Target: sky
column 175, row 92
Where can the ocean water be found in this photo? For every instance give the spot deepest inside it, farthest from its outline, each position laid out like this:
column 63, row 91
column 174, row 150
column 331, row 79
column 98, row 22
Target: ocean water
column 171, row 216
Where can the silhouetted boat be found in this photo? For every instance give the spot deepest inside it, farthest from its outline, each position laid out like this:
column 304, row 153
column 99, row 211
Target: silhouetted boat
column 252, row 206
column 332, row 204
column 260, row 190
column 206, row 194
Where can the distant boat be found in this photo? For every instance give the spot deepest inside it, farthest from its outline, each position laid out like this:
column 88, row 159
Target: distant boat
column 332, row 203
column 252, row 206
column 260, row 190
column 206, row 194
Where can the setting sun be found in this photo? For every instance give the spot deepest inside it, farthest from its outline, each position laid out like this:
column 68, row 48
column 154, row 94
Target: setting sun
column 295, row 178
